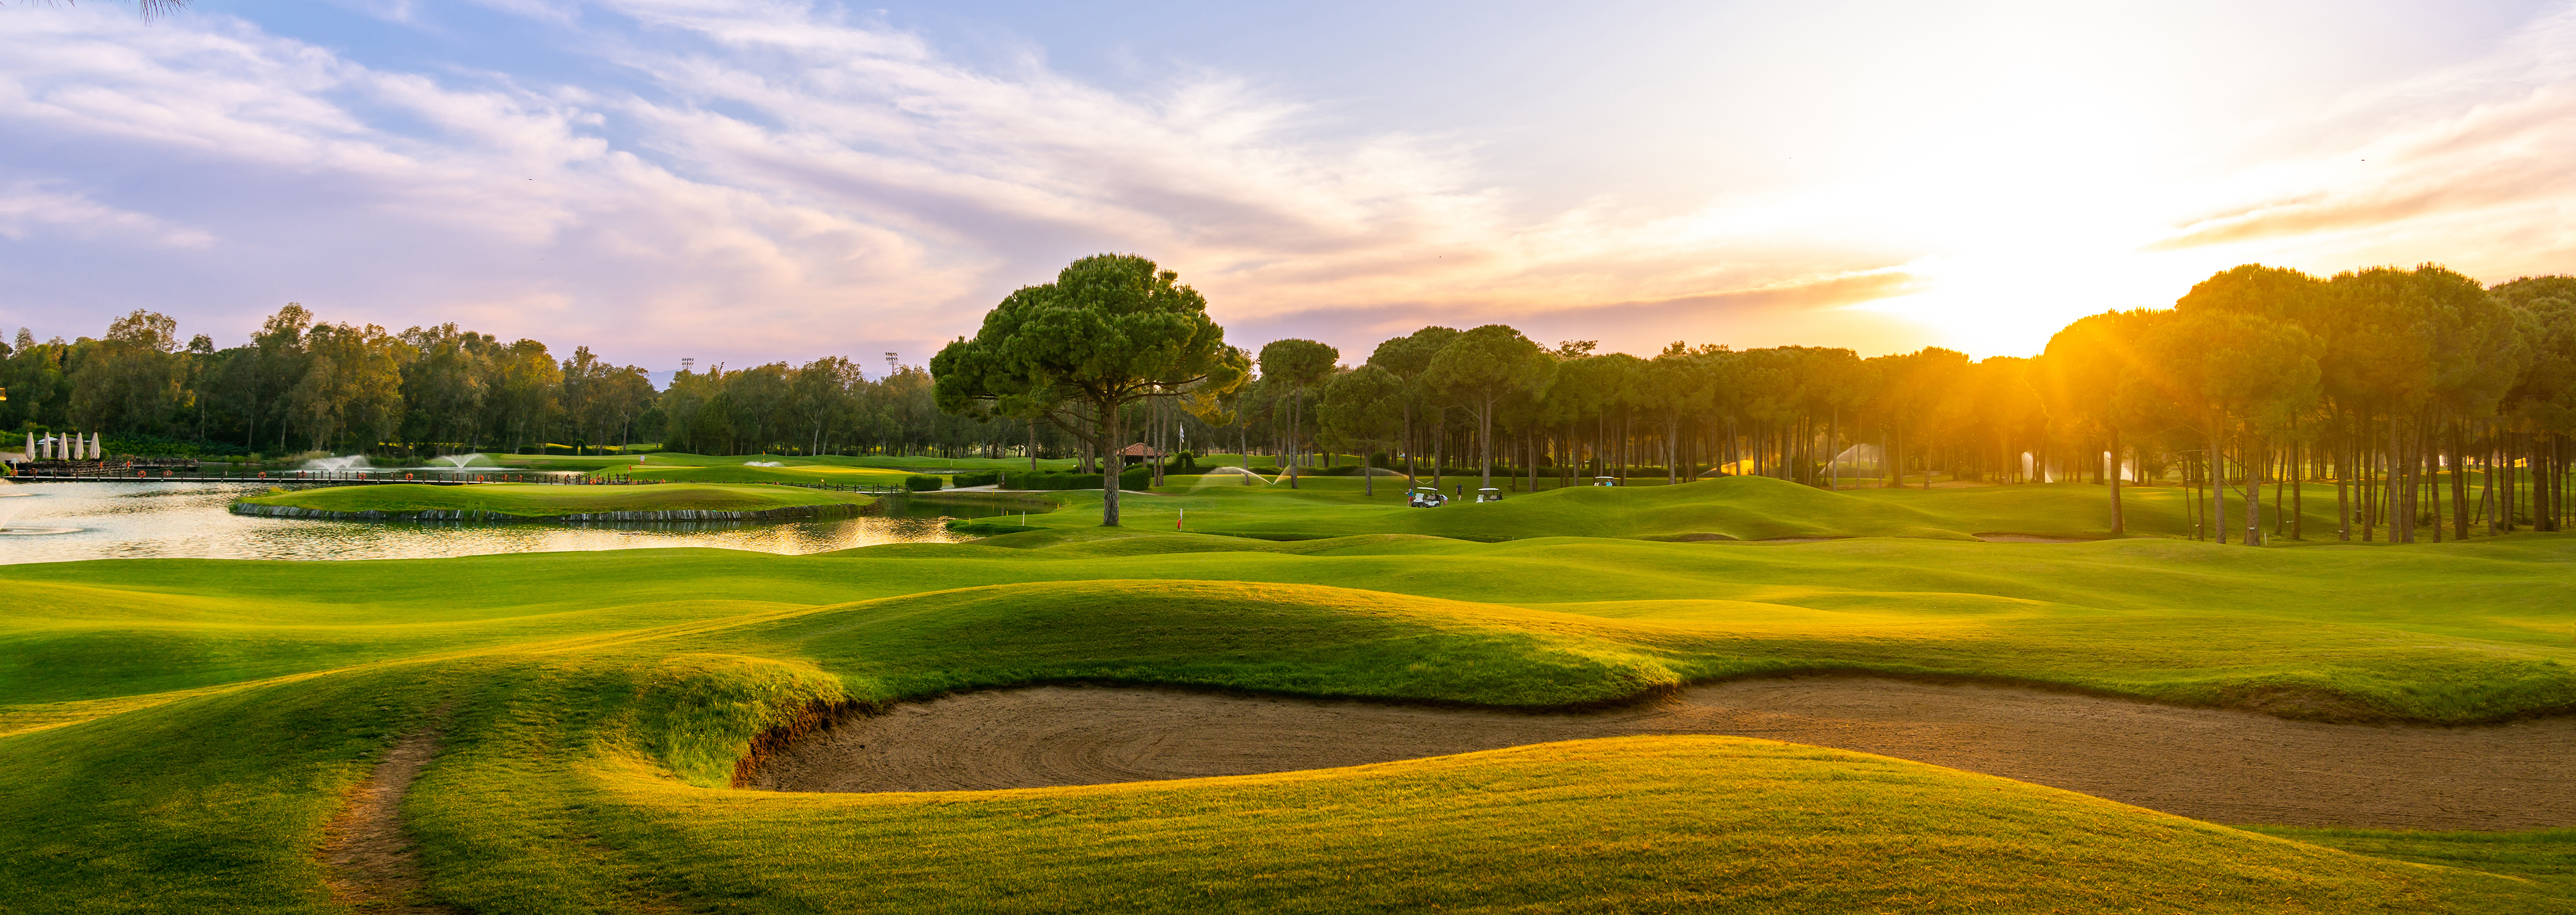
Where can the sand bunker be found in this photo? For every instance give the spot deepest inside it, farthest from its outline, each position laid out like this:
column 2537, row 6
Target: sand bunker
column 2209, row 764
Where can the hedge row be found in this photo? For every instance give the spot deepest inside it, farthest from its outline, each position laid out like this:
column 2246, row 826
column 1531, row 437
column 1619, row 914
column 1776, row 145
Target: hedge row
column 1133, row 478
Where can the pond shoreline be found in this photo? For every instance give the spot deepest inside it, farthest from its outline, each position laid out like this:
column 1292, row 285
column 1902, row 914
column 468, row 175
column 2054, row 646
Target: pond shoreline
column 790, row 513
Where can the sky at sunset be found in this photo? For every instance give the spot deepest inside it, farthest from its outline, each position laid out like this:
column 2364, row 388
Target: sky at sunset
column 744, row 182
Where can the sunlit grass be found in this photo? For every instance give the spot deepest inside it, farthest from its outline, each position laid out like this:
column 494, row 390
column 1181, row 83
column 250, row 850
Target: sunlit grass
column 1739, row 508
column 178, row 731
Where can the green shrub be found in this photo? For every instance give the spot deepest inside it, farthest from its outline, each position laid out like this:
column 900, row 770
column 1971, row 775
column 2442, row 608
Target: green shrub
column 922, row 482
column 976, row 478
column 1134, row 478
column 977, row 528
column 1055, row 480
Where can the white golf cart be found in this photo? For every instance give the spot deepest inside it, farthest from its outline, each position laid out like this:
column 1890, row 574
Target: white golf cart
column 1427, row 497
column 1489, row 494
column 1605, row 481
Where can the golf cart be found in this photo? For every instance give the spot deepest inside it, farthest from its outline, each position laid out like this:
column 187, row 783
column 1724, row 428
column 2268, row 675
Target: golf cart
column 1489, row 494
column 1605, row 481
column 1427, row 497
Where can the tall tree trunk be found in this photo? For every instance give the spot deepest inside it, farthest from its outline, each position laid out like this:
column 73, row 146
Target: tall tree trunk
column 1672, row 448
column 2253, row 454
column 1439, row 444
column 2298, row 486
column 1289, row 461
column 2512, row 491
column 2428, row 448
column 1833, row 449
column 1408, row 443
column 2119, row 520
column 2401, row 482
column 1485, row 446
column 2217, row 486
column 1109, row 472
column 2459, row 482
column 1889, row 476
column 2364, row 490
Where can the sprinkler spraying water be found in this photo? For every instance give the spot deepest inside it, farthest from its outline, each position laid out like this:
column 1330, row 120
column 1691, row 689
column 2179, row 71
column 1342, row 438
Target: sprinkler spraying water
column 352, row 462
column 1237, row 474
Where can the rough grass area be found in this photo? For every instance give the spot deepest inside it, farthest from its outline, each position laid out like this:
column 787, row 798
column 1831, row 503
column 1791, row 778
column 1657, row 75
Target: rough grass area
column 178, row 732
column 534, row 500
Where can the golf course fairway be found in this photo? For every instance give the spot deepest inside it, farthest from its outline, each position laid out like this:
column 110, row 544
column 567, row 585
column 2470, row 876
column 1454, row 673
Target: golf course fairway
column 1730, row 508
column 185, row 733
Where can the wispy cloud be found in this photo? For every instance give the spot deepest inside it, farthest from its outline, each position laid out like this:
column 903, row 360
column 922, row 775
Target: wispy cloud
column 777, row 174
column 29, row 207
column 756, row 179
column 2477, row 153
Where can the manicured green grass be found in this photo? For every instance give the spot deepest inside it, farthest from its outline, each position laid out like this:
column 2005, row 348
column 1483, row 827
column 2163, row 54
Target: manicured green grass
column 2545, row 858
column 1741, row 508
column 929, row 465
column 1632, row 824
column 177, row 732
column 536, row 500
column 802, row 474
column 2450, row 633
column 586, row 783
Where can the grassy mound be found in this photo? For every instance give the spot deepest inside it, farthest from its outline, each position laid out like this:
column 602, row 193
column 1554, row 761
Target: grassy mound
column 533, row 500
column 1626, row 824
column 2450, row 633
column 180, row 731
column 1298, row 639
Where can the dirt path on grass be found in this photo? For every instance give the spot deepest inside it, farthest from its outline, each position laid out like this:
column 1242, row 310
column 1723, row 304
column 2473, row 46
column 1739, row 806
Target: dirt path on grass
column 372, row 865
column 2208, row 764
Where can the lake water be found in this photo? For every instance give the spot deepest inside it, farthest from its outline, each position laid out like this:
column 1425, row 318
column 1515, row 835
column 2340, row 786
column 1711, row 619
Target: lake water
column 189, row 519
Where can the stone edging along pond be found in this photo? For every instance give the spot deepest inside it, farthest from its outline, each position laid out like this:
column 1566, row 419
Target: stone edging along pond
column 790, row 513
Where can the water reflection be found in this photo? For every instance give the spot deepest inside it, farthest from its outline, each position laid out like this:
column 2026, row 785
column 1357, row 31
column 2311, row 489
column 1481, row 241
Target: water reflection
column 188, row 519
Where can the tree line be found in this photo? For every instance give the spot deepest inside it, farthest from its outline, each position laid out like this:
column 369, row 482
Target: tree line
column 302, row 385
column 2433, row 405
column 2430, row 403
